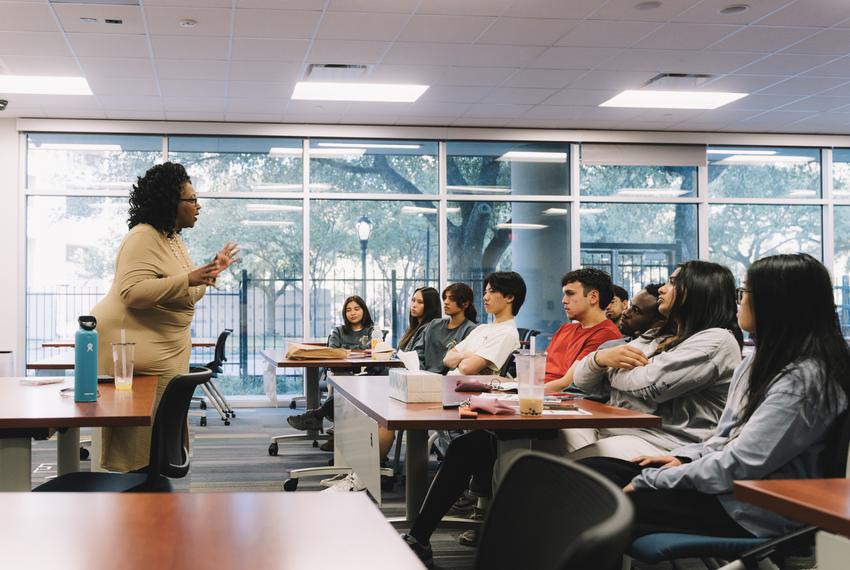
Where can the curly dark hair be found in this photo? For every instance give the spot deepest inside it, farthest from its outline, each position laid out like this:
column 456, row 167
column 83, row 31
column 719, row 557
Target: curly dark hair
column 156, row 195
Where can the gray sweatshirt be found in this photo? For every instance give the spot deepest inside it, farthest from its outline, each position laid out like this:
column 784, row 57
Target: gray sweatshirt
column 783, row 439
column 686, row 386
column 358, row 340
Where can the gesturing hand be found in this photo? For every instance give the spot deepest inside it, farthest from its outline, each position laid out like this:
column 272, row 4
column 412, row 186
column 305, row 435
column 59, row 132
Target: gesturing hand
column 624, row 356
column 656, row 461
column 204, row 275
column 228, row 255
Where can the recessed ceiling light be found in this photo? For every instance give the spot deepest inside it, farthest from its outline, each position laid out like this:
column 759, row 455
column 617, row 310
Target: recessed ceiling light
column 44, row 85
column 479, row 189
column 650, row 99
column 644, row 192
column 417, row 210
column 379, row 92
column 368, row 145
column 188, row 23
column 646, row 6
column 734, row 9
column 778, row 159
column 555, row 212
column 532, row 156
column 510, row 226
column 281, row 223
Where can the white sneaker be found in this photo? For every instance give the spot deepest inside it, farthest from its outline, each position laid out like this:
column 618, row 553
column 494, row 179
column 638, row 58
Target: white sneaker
column 351, row 483
column 331, row 481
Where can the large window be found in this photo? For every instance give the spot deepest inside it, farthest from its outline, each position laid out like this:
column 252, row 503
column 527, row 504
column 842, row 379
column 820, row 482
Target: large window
column 787, row 173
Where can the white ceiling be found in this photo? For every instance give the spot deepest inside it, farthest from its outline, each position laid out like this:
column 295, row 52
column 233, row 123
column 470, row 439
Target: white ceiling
column 498, row 63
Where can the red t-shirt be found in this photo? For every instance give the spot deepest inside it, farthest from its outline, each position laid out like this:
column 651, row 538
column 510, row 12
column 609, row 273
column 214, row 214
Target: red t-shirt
column 572, row 342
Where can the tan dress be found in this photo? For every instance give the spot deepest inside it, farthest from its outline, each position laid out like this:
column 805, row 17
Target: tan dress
column 151, row 299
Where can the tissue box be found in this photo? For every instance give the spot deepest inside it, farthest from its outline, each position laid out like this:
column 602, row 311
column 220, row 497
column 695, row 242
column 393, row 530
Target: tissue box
column 416, row 386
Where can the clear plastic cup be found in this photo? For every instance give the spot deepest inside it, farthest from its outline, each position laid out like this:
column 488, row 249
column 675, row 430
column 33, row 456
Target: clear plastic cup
column 123, row 355
column 531, row 373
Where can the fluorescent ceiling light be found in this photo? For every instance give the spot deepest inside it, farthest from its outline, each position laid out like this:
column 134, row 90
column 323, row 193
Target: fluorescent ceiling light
column 669, row 192
column 755, row 160
column 452, row 210
column 44, row 85
column 802, row 193
column 417, row 210
column 529, row 156
column 510, row 226
column 77, row 147
column 590, row 211
column 267, row 223
column 272, row 208
column 555, row 212
column 480, row 189
column 104, row 185
column 337, row 152
column 649, row 99
column 368, row 145
column 270, row 186
column 382, row 92
column 741, row 151
column 285, row 151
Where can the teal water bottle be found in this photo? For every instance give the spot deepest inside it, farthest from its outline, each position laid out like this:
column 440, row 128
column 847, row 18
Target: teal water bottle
column 85, row 360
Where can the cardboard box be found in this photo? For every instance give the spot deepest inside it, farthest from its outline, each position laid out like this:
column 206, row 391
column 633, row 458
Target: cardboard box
column 416, row 386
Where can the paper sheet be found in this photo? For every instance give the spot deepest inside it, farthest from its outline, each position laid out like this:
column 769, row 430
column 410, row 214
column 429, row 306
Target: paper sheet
column 410, row 359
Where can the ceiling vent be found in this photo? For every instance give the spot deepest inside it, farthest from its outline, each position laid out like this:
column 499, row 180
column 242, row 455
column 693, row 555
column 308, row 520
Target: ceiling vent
column 336, row 72
column 678, row 81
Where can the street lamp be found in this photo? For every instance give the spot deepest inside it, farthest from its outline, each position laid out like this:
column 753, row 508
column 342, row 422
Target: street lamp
column 364, row 230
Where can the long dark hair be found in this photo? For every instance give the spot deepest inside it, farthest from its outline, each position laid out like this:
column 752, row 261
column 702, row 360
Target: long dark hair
column 156, row 195
column 800, row 281
column 462, row 294
column 367, row 317
column 705, row 299
column 432, row 311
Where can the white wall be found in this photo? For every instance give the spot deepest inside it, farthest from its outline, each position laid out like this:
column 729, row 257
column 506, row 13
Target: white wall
column 11, row 246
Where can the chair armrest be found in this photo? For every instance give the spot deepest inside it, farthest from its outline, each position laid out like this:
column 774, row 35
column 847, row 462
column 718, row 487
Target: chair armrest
column 752, row 557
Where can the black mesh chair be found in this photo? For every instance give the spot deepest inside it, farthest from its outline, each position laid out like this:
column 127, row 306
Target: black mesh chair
column 169, row 457
column 525, row 336
column 550, row 513
column 211, row 389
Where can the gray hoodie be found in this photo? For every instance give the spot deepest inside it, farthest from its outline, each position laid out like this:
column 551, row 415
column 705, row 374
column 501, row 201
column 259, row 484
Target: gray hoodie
column 686, row 386
column 783, row 439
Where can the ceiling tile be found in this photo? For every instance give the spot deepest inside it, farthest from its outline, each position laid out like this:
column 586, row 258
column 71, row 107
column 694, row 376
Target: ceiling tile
column 32, row 65
column 717, row 117
column 709, row 12
column 618, row 80
column 832, row 123
column 117, row 114
column 255, row 105
column 116, row 45
column 192, row 88
column 257, row 49
column 49, row 102
column 475, row 75
column 117, row 67
column 166, row 21
column 449, row 29
column 762, row 39
column 574, row 9
column 419, row 74
column 198, row 47
column 497, row 56
column 402, row 53
column 49, row 44
column 132, row 102
column 686, row 36
column 194, row 103
column 774, row 120
column 526, row 31
column 272, row 4
column 603, row 33
column 403, row 6
column 827, row 42
column 803, row 86
column 496, row 110
column 840, row 91
column 678, row 61
column 574, row 57
column 346, row 51
column 70, row 16
column 278, row 71
column 264, row 89
column 316, row 107
column 821, row 13
column 436, row 109
column 26, row 17
column 193, row 3
column 436, row 120
column 194, row 116
column 784, row 64
column 361, row 26
column 818, row 103
column 581, row 97
column 207, row 69
column 74, row 113
column 760, row 102
column 488, row 122
column 836, row 68
column 276, row 24
column 465, row 8
column 103, row 86
column 742, row 83
column 518, row 95
column 232, row 117
column 364, row 119
column 454, row 94
column 626, row 10
column 544, row 78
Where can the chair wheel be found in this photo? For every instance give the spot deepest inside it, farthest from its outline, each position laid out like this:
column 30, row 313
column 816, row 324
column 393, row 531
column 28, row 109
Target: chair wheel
column 315, row 443
column 273, row 449
column 387, row 483
column 290, row 485
column 292, row 405
column 203, row 405
column 227, row 422
column 84, row 454
column 232, row 414
column 203, row 422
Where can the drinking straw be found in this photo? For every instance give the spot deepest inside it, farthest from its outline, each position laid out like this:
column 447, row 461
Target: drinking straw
column 531, row 346
column 123, row 354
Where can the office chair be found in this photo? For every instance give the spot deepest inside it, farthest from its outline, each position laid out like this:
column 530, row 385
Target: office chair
column 550, row 513
column 169, row 458
column 211, row 389
column 525, row 336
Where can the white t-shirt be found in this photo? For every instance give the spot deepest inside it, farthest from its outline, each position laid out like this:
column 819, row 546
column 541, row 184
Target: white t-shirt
column 493, row 342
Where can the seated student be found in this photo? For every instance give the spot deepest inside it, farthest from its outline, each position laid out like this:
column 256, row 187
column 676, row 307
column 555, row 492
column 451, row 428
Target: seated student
column 618, row 304
column 683, row 378
column 488, row 346
column 586, row 294
column 680, row 372
column 424, row 308
column 354, row 333
column 441, row 335
column 782, row 408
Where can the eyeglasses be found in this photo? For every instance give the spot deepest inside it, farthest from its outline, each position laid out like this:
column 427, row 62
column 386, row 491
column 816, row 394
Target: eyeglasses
column 193, row 200
column 739, row 294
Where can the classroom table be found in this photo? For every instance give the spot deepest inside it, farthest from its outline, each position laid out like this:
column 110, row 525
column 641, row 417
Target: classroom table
column 27, row 409
column 69, row 343
column 824, row 503
column 227, row 531
column 370, row 394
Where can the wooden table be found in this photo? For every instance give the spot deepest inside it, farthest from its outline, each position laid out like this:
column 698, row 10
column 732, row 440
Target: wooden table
column 824, row 503
column 69, row 343
column 65, row 361
column 371, row 395
column 104, row 531
column 26, row 408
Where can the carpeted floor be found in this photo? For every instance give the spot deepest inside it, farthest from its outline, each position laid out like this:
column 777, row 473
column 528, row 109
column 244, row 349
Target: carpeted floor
column 236, row 458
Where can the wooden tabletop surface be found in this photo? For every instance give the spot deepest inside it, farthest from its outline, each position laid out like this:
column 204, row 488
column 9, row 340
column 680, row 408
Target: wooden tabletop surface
column 824, row 503
column 227, row 531
column 277, row 356
column 43, row 406
column 371, row 394
column 69, row 343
